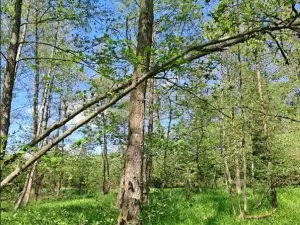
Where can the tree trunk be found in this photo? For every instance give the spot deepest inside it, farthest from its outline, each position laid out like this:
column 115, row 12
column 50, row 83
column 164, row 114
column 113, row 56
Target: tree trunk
column 245, row 179
column 197, row 159
column 165, row 176
column 9, row 77
column 35, row 112
column 60, row 112
column 22, row 39
column 29, row 186
column 148, row 157
column 273, row 195
column 38, row 186
column 131, row 191
column 228, row 179
column 236, row 157
column 105, row 165
column 243, row 142
column 22, row 194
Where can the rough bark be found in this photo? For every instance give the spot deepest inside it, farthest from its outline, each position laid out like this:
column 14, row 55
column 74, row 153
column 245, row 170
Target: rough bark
column 132, row 193
column 9, row 77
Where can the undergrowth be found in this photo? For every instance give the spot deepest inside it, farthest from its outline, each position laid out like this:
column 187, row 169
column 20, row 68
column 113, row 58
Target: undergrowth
column 168, row 207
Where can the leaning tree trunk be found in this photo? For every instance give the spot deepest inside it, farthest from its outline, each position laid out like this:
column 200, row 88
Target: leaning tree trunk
column 22, row 194
column 131, row 190
column 273, row 194
column 9, row 77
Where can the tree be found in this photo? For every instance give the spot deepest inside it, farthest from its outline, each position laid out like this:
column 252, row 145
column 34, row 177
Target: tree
column 131, row 191
column 9, row 76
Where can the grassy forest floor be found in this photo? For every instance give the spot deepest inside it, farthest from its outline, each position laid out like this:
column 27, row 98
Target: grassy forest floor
column 169, row 207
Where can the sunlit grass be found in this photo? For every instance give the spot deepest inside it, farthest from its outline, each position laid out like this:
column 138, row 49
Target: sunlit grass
column 169, row 207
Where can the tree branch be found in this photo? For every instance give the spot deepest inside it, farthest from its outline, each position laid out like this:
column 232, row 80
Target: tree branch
column 280, row 48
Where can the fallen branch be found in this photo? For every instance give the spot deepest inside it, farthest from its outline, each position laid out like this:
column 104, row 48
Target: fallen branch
column 262, row 216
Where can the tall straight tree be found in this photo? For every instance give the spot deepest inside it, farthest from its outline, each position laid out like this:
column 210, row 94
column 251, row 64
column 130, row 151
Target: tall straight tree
column 228, row 179
column 9, row 76
column 105, row 164
column 243, row 141
column 131, row 191
column 25, row 195
column 273, row 194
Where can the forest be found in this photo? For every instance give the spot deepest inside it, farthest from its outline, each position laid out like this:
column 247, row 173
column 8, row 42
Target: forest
column 153, row 112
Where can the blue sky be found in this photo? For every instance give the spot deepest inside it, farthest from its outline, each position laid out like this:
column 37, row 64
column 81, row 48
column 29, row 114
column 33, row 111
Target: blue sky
column 22, row 102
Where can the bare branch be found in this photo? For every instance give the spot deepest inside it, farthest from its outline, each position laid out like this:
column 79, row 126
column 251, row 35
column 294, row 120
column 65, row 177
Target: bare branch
column 4, row 56
column 280, row 48
column 270, row 115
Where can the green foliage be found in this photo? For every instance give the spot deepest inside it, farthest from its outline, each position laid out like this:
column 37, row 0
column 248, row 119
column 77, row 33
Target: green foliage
column 65, row 211
column 206, row 207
